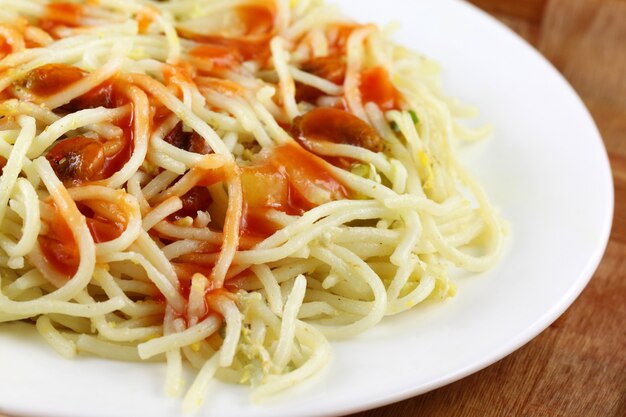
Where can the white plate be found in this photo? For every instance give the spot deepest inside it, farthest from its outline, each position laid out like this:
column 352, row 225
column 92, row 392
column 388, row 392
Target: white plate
column 545, row 167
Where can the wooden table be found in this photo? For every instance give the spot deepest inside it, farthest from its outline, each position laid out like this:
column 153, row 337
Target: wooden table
column 577, row 367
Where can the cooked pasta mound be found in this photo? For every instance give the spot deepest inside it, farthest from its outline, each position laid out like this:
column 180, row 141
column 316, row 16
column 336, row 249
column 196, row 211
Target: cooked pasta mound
column 224, row 184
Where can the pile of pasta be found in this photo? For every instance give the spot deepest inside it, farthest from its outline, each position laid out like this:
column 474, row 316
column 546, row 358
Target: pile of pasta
column 227, row 184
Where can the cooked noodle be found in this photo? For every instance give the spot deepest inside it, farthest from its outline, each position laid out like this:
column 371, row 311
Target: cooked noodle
column 228, row 184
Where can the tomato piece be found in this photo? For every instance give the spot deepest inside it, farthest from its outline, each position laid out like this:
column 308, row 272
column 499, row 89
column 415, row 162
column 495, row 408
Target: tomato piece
column 189, row 141
column 327, row 124
column 196, row 199
column 51, row 79
column 376, row 87
column 264, row 186
column 77, row 159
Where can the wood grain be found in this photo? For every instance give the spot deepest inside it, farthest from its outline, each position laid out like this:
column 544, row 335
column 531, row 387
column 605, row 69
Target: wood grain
column 577, row 367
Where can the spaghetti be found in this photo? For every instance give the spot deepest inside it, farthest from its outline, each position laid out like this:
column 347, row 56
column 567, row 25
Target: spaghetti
column 228, row 184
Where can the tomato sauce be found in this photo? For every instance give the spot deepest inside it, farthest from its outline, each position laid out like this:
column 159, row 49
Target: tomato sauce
column 61, row 15
column 102, row 228
column 291, row 180
column 257, row 19
column 59, row 247
column 376, row 87
column 5, row 48
column 217, row 57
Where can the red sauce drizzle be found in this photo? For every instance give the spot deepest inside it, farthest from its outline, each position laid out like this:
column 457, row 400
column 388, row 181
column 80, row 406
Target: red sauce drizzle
column 376, row 87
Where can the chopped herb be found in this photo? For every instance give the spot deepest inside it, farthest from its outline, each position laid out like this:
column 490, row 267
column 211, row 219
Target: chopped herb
column 416, row 119
column 394, row 126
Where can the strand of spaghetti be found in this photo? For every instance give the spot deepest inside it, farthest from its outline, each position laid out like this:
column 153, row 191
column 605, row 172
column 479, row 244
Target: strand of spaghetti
column 128, row 205
column 50, row 334
column 115, row 334
column 141, row 134
column 89, row 344
column 177, row 340
column 400, row 279
column 232, row 223
column 72, row 122
column 275, row 131
column 412, row 235
column 159, row 91
column 113, row 290
column 322, row 84
column 40, row 306
column 284, row 346
column 271, row 287
column 77, row 225
column 354, row 65
column 318, row 17
column 31, row 221
column 160, row 212
column 174, row 382
column 425, row 287
column 195, row 396
column 243, row 114
column 15, row 162
column 312, row 216
column 233, row 320
column 259, row 256
column 164, row 285
column 14, row 107
column 150, row 250
column 287, row 87
column 364, row 272
column 196, row 304
column 320, row 353
column 84, row 85
column 380, row 162
column 191, row 178
column 196, row 233
column 28, row 280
